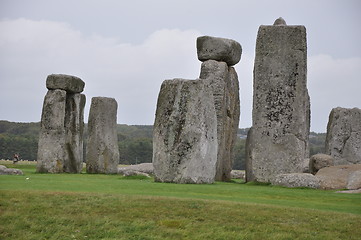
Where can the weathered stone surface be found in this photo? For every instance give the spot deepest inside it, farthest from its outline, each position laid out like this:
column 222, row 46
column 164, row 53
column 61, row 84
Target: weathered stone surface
column 306, row 165
column 53, row 113
column 343, row 139
column 278, row 140
column 60, row 147
column 319, row 161
column 354, row 180
column 293, row 180
column 336, row 177
column 238, row 174
column 129, row 172
column 280, row 22
column 10, row 171
column 185, row 133
column 219, row 49
column 74, row 130
column 224, row 83
column 143, row 167
column 102, row 148
column 65, row 82
column 51, row 145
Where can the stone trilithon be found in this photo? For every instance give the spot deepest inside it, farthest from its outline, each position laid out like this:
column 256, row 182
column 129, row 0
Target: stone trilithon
column 60, row 147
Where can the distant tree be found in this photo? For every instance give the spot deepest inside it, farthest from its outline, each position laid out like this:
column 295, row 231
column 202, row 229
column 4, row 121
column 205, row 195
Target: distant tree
column 136, row 151
column 240, row 154
column 317, row 143
column 135, row 142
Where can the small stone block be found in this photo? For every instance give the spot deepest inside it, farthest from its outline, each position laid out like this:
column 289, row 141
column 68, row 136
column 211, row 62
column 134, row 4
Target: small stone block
column 68, row 83
column 219, row 49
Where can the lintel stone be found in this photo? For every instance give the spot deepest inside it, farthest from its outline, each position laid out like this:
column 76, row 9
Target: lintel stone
column 68, row 83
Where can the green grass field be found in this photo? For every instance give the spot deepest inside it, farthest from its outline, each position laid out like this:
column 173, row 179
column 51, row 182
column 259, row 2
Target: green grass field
column 91, row 206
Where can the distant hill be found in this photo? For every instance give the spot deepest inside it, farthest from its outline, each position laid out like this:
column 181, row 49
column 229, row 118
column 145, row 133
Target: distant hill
column 135, row 142
column 19, row 138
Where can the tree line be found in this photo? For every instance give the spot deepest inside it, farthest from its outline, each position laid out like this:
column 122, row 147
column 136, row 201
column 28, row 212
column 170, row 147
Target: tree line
column 135, row 142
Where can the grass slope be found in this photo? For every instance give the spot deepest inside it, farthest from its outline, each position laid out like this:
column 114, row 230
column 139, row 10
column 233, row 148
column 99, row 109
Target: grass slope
column 85, row 206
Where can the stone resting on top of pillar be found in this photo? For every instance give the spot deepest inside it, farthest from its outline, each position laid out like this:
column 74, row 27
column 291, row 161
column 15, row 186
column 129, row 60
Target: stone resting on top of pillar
column 197, row 120
column 60, row 147
column 278, row 140
column 218, row 55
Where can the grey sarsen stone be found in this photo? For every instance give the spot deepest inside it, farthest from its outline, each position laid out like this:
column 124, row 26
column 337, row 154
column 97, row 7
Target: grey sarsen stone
column 218, row 49
column 102, row 148
column 65, row 82
column 223, row 82
column 343, row 139
column 60, row 147
column 278, row 140
column 185, row 133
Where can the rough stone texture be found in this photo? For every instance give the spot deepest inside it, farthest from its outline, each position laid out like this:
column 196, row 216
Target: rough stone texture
column 102, row 148
column 143, row 167
column 319, row 161
column 293, row 180
column 68, row 83
column 74, row 130
column 343, row 139
column 219, row 49
column 280, row 22
column 51, row 146
column 224, row 83
column 185, row 133
column 336, row 177
column 238, row 174
column 306, row 165
column 10, row 171
column 128, row 173
column 278, row 140
column 354, row 180
column 60, row 147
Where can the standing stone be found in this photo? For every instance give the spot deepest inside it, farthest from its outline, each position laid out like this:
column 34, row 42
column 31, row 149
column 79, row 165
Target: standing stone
column 102, row 148
column 51, row 146
column 74, row 128
column 60, row 147
column 343, row 139
column 278, row 140
column 223, row 81
column 185, row 133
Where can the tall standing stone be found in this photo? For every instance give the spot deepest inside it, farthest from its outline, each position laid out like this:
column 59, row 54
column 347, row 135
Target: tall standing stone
column 218, row 56
column 343, row 139
column 60, row 147
column 278, row 140
column 185, row 133
column 102, row 147
column 51, row 146
column 74, row 128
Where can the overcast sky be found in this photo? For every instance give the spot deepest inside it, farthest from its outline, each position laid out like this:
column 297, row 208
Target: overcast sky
column 125, row 49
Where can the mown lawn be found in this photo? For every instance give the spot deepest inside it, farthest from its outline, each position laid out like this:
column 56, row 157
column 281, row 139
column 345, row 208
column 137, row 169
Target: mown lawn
column 89, row 206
